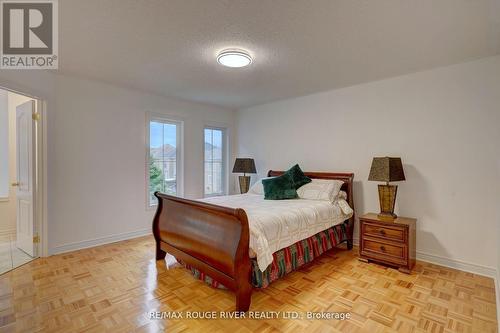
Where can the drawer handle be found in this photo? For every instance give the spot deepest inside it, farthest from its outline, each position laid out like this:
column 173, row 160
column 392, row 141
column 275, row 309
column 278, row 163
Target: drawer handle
column 382, row 232
column 382, row 248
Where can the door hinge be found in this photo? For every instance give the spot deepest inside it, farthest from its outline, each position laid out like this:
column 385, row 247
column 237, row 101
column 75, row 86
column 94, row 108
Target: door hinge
column 36, row 116
column 36, row 239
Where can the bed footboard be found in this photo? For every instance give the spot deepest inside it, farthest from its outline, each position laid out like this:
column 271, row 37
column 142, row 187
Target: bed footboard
column 210, row 238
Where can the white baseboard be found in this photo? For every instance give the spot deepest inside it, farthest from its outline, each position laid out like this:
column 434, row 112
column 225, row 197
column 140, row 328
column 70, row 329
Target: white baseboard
column 458, row 264
column 98, row 241
column 454, row 263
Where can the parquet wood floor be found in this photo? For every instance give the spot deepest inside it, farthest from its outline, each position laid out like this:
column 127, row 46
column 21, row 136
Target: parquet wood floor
column 113, row 288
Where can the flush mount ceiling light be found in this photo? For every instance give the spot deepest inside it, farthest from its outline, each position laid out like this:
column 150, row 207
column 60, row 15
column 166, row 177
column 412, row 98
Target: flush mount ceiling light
column 234, row 58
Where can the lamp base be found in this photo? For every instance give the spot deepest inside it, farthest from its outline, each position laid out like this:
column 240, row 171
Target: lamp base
column 244, row 184
column 387, row 216
column 387, row 197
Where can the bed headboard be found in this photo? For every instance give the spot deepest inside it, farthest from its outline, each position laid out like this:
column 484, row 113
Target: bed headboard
column 347, row 178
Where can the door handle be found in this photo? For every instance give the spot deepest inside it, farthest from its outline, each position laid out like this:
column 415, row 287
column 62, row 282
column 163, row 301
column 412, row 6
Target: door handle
column 15, row 184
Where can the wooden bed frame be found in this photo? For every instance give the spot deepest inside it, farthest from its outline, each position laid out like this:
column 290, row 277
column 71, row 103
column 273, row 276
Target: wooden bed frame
column 215, row 239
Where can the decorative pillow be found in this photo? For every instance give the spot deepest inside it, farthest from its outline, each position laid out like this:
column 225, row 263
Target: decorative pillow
column 321, row 189
column 257, row 187
column 346, row 209
column 342, row 195
column 279, row 188
column 298, row 176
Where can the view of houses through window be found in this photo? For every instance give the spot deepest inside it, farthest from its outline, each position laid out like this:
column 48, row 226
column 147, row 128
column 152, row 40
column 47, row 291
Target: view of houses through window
column 164, row 164
column 215, row 161
column 163, row 158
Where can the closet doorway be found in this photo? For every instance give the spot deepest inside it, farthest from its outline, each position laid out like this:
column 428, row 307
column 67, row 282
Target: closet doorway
column 20, row 181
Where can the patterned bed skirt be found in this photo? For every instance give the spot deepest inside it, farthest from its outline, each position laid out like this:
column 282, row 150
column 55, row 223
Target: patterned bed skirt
column 288, row 259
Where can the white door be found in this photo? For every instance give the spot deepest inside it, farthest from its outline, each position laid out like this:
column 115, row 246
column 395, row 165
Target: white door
column 25, row 131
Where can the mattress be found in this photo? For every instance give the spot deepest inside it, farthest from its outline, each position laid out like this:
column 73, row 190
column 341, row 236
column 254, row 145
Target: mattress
column 277, row 224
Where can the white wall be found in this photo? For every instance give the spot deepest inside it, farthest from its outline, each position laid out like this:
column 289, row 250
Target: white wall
column 96, row 155
column 4, row 147
column 444, row 123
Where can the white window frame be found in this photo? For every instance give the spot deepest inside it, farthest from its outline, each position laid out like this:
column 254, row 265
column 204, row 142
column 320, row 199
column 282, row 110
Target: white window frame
column 225, row 154
column 164, row 118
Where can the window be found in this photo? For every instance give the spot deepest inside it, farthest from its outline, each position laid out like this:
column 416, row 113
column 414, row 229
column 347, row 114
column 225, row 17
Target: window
column 215, row 161
column 164, row 167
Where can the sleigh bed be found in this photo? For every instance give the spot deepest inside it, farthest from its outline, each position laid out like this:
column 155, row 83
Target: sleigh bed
column 214, row 241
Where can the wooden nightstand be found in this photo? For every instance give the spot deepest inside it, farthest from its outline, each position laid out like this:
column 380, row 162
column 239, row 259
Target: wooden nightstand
column 388, row 242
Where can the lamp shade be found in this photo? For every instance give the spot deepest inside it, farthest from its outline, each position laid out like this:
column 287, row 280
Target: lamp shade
column 244, row 165
column 387, row 169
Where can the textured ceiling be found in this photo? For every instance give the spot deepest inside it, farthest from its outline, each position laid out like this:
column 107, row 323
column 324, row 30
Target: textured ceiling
column 299, row 47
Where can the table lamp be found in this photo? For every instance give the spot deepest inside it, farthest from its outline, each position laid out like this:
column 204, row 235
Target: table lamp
column 387, row 169
column 244, row 166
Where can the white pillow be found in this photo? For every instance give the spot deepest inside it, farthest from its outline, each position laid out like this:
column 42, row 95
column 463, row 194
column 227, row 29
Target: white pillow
column 346, row 209
column 321, row 189
column 342, row 195
column 257, row 187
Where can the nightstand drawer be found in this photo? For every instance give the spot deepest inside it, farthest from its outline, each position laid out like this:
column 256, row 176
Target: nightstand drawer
column 389, row 252
column 390, row 242
column 376, row 230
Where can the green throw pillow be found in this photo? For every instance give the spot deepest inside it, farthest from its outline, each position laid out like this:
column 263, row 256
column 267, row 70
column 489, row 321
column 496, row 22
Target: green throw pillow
column 298, row 176
column 279, row 188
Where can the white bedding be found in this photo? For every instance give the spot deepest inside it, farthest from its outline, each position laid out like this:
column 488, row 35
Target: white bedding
column 276, row 224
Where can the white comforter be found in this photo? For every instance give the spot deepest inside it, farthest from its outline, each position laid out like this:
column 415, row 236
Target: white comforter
column 276, row 224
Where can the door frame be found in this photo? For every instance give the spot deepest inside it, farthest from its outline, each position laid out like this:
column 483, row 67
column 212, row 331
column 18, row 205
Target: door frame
column 40, row 158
